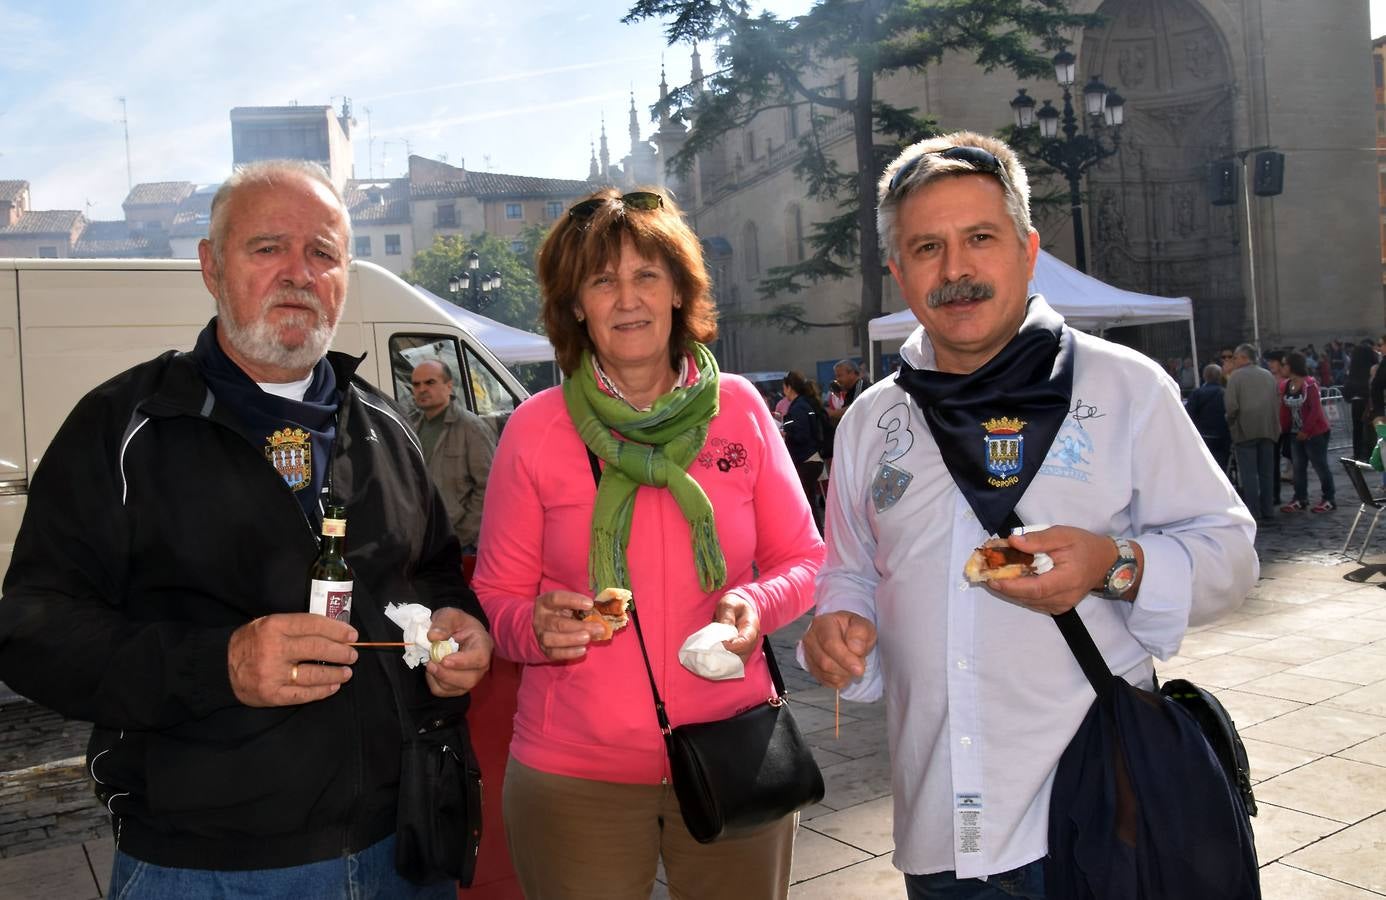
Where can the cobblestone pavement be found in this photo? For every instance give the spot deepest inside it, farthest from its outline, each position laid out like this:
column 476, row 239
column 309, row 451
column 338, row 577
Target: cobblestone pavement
column 45, row 798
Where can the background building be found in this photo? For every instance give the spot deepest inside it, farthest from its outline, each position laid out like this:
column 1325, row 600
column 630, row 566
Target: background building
column 315, row 133
column 1203, row 80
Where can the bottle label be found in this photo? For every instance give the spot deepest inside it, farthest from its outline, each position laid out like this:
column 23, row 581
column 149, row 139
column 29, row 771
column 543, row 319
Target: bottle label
column 331, row 599
column 334, row 527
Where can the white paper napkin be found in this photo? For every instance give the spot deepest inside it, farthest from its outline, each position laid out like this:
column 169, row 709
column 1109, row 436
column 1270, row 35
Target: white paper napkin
column 703, row 654
column 414, row 619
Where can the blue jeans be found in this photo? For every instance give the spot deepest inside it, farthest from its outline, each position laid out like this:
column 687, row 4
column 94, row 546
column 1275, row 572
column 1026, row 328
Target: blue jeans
column 1314, row 450
column 1026, row 882
column 367, row 875
column 1256, row 472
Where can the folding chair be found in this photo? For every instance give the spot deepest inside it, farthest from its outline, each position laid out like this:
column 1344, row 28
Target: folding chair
column 1357, row 474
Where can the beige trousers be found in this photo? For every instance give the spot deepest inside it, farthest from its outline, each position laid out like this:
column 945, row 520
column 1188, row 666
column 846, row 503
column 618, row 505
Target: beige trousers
column 576, row 839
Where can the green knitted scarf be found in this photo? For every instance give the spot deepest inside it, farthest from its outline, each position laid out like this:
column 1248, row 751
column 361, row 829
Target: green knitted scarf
column 653, row 448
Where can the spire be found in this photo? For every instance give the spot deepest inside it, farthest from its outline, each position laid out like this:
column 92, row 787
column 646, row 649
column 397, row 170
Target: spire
column 606, row 154
column 592, row 173
column 696, row 75
column 663, row 98
column 634, row 125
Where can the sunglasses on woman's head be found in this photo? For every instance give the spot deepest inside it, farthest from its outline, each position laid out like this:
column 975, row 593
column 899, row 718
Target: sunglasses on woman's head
column 640, row 200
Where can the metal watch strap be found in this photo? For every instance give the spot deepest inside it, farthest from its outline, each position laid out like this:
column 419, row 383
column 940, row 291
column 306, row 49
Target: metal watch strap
column 1125, row 556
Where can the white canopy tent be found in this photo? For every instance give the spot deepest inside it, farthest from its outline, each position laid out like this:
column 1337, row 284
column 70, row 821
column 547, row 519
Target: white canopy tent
column 511, row 345
column 1085, row 303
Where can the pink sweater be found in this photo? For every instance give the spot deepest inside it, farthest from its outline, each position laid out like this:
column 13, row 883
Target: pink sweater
column 594, row 717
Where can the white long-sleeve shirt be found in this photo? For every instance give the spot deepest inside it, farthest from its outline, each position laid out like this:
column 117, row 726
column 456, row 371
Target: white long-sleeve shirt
column 983, row 694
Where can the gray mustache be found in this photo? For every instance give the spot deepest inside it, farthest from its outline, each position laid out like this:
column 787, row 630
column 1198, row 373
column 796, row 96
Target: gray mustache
column 960, row 290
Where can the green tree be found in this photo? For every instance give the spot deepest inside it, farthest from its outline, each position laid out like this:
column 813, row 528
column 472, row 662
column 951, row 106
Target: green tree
column 518, row 301
column 765, row 62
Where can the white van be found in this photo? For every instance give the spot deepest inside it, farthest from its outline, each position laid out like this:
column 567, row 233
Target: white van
column 67, row 325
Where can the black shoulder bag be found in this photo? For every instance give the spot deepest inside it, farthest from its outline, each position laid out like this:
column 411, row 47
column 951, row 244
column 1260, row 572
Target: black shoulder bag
column 735, row 775
column 1152, row 795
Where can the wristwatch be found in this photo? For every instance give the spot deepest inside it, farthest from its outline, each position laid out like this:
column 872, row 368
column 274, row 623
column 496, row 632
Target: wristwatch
column 1123, row 572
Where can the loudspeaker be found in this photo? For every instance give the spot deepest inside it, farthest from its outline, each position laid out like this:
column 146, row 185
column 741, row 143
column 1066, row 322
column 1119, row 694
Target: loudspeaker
column 1269, row 178
column 1222, row 182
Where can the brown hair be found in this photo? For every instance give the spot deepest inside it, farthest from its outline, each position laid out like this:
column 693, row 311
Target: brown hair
column 577, row 247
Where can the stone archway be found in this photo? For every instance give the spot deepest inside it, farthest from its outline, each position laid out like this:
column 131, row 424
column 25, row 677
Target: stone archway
column 1154, row 229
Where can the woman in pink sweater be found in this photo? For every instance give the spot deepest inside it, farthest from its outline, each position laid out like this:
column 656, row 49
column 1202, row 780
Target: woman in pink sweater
column 698, row 513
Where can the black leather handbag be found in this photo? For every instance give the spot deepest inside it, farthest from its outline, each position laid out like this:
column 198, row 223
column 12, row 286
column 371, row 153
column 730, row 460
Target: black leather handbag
column 735, row 775
column 438, row 821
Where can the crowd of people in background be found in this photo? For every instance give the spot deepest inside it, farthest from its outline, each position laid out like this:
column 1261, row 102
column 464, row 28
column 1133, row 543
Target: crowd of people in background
column 1233, row 405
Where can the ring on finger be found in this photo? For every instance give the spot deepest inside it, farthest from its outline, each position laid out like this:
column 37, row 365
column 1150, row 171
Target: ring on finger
column 293, row 674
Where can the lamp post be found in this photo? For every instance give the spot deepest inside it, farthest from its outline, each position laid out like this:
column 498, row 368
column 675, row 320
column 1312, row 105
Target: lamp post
column 1078, row 150
column 477, row 289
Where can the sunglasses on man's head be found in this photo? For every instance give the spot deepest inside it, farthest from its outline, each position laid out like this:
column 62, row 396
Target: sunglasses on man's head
column 641, row 200
column 983, row 161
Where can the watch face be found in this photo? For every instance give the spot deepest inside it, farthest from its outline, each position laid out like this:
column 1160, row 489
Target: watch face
column 1121, row 579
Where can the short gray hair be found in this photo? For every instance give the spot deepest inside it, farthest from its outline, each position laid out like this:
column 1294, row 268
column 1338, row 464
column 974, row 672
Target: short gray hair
column 266, row 172
column 1247, row 351
column 925, row 165
column 849, row 364
column 1212, row 373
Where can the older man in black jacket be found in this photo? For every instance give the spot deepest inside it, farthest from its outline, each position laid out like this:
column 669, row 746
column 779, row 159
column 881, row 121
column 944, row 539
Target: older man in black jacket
column 159, row 582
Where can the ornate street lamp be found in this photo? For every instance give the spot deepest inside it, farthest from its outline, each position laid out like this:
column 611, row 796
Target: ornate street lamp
column 478, row 290
column 1037, row 135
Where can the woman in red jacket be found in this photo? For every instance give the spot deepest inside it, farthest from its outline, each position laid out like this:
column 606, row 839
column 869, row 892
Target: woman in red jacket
column 1301, row 411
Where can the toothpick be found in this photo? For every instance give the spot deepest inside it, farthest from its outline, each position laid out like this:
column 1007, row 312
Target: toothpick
column 379, row 644
column 837, row 714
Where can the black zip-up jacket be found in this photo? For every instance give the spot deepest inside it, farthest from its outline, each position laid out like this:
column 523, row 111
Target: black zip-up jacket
column 154, row 529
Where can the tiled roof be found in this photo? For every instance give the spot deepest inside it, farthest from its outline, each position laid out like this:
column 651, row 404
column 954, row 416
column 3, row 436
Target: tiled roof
column 381, row 202
column 158, row 193
column 188, row 223
column 105, row 239
column 194, row 214
column 433, row 190
column 10, row 190
column 43, row 221
column 496, row 184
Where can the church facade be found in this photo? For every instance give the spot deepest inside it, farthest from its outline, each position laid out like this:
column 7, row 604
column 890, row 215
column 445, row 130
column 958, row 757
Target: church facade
column 1203, row 80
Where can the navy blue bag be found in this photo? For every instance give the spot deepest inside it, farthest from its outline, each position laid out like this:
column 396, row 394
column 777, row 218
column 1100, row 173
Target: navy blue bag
column 1142, row 807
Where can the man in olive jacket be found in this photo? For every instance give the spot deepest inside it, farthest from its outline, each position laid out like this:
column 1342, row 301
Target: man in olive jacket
column 159, row 584
column 459, row 448
column 1253, row 415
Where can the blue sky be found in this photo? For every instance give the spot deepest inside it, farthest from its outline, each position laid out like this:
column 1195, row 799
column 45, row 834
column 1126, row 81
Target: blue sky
column 515, row 86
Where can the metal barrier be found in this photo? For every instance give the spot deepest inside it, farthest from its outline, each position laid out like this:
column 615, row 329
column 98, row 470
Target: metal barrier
column 1339, row 413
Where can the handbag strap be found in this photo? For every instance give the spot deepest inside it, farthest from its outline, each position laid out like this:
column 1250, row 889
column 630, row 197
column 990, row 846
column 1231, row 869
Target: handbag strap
column 660, row 714
column 1076, row 635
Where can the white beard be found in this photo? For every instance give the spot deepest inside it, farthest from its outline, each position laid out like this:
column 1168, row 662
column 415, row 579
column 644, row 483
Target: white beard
column 261, row 343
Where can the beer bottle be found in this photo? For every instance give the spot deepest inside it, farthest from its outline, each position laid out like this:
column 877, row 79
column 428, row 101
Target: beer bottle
column 330, row 591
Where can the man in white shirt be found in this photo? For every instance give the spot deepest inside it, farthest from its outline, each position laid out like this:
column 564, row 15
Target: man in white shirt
column 1038, row 422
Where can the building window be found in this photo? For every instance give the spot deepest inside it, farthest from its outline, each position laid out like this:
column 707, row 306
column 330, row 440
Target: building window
column 447, row 215
column 392, row 245
column 517, row 247
column 1380, row 76
column 751, row 247
column 363, row 246
column 48, row 253
column 750, row 140
column 794, row 234
column 791, row 130
column 514, row 211
column 553, row 209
